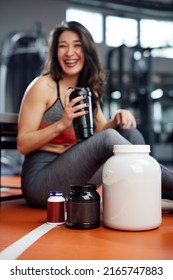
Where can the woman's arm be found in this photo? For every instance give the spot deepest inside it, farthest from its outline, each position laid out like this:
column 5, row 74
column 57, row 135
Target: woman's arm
column 36, row 101
column 123, row 118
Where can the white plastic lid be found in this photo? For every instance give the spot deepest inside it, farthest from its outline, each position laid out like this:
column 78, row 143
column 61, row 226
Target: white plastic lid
column 55, row 193
column 131, row 148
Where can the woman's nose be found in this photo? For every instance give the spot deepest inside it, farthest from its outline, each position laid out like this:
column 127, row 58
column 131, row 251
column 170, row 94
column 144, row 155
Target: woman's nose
column 70, row 50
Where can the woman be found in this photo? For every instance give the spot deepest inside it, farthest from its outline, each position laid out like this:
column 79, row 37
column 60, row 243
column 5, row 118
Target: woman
column 53, row 157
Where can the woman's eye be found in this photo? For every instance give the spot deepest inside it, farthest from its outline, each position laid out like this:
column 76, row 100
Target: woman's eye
column 78, row 45
column 61, row 46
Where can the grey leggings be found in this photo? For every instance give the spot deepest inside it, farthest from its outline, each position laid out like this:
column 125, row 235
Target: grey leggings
column 83, row 163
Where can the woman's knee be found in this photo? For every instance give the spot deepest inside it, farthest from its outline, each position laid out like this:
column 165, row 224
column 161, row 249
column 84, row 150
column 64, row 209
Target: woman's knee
column 113, row 136
column 133, row 135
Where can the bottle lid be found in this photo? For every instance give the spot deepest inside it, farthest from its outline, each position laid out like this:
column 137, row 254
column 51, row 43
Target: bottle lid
column 131, row 148
column 83, row 187
column 55, row 193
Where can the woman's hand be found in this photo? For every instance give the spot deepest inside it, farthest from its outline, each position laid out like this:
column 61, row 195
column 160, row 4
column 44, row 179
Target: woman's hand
column 72, row 109
column 125, row 119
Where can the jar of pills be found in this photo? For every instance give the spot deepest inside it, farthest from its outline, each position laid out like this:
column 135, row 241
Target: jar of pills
column 56, row 208
column 83, row 207
column 132, row 189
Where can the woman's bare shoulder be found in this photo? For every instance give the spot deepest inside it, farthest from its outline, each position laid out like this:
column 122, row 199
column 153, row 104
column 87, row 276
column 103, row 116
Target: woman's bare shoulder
column 42, row 82
column 41, row 88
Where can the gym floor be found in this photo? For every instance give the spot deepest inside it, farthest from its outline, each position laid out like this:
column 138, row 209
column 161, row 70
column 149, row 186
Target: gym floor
column 19, row 223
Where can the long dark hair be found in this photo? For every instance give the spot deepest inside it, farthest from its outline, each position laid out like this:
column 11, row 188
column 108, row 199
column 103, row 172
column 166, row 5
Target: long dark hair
column 92, row 75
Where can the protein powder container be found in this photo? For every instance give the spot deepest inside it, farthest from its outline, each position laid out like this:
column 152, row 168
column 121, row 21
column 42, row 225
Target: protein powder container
column 83, row 207
column 132, row 189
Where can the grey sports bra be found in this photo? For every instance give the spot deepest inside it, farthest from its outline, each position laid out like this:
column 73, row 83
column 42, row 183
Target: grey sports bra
column 54, row 114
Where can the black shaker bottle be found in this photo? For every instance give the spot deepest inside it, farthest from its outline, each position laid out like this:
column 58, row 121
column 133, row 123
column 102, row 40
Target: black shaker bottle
column 83, row 125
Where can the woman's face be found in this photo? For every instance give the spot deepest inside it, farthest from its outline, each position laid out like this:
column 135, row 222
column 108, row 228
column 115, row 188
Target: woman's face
column 70, row 53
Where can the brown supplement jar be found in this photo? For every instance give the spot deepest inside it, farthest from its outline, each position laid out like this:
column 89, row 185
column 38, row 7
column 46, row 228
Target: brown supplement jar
column 83, row 207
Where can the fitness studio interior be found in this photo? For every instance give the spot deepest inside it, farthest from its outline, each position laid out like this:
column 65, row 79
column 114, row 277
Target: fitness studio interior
column 134, row 39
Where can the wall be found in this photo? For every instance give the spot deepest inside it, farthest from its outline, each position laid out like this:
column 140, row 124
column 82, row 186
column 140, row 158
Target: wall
column 17, row 15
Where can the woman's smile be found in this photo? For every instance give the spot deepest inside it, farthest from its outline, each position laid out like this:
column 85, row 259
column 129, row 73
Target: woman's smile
column 71, row 62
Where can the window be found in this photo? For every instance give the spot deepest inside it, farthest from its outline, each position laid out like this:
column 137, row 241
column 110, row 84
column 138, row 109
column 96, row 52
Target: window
column 121, row 31
column 91, row 20
column 156, row 33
